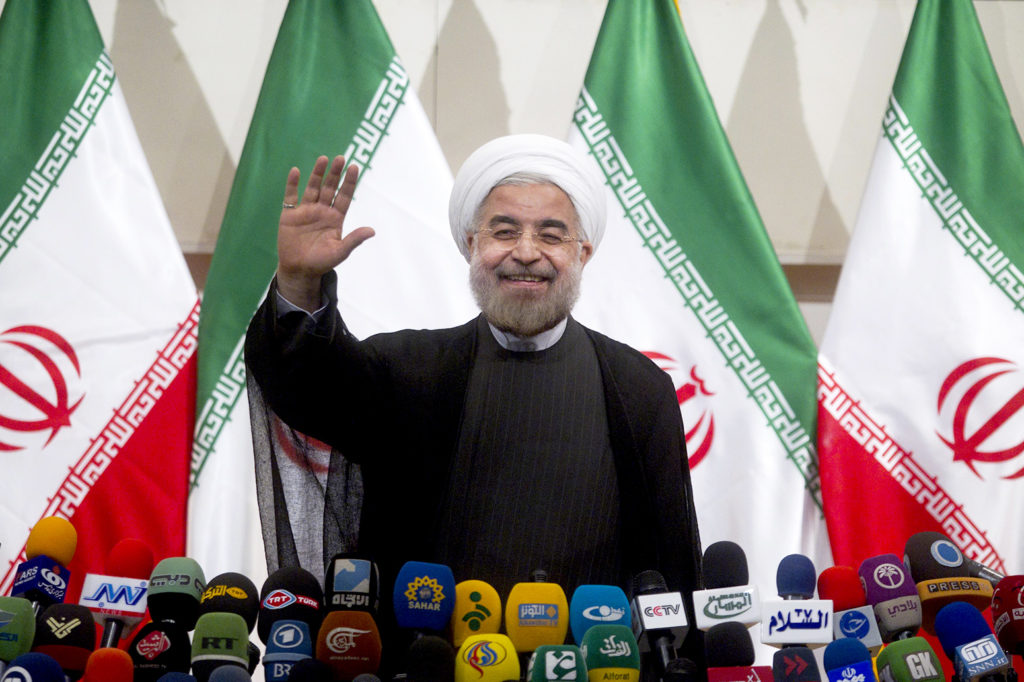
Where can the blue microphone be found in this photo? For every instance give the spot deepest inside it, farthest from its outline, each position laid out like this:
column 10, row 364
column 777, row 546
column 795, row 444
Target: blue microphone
column 290, row 641
column 424, row 596
column 597, row 605
column 35, row 667
column 969, row 643
column 848, row 659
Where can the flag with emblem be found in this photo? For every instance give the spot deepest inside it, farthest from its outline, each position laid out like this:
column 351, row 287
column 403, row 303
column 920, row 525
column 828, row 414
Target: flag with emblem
column 99, row 312
column 920, row 385
column 686, row 273
column 334, row 85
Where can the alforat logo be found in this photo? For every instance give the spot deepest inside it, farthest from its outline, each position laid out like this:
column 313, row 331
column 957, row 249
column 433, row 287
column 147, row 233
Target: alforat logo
column 39, row 386
column 980, row 416
column 693, row 396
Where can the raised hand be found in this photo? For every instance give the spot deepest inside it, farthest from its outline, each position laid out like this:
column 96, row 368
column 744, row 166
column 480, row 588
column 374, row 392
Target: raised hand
column 310, row 235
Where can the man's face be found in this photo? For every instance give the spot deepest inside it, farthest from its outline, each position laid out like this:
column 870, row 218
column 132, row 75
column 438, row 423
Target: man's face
column 527, row 285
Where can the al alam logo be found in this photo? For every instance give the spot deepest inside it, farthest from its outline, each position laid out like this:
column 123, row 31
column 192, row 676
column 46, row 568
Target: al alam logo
column 425, row 593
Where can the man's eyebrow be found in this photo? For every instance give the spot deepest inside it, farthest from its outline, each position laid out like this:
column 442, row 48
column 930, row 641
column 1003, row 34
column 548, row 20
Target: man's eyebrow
column 503, row 220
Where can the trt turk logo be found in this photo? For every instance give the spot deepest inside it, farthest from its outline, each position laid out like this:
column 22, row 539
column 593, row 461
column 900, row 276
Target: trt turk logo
column 693, row 394
column 39, row 387
column 278, row 599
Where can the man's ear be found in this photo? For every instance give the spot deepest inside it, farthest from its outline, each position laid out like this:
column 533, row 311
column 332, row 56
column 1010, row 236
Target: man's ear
column 586, row 251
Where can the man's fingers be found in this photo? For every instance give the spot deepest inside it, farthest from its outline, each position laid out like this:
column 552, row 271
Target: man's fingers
column 291, row 186
column 316, row 178
column 347, row 189
column 331, row 181
column 353, row 239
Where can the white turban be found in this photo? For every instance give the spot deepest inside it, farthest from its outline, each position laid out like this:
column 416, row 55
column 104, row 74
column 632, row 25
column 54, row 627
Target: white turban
column 551, row 159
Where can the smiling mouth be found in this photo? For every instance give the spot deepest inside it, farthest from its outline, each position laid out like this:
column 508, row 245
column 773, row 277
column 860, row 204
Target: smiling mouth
column 524, row 278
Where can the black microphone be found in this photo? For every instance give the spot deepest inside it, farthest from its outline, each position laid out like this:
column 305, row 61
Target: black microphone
column 158, row 648
column 290, row 593
column 660, row 625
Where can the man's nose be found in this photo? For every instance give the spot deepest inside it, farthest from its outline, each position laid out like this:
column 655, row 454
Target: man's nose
column 526, row 250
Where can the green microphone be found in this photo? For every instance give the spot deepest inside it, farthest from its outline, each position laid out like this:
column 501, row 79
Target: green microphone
column 611, row 654
column 17, row 628
column 221, row 638
column 554, row 663
column 909, row 660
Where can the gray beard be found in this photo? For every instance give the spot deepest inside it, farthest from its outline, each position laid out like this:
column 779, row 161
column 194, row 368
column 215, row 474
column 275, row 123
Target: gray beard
column 526, row 315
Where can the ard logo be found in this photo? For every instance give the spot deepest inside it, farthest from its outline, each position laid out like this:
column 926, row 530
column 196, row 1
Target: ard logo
column 693, row 396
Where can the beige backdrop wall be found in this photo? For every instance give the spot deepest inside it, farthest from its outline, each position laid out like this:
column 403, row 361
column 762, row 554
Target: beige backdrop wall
column 799, row 85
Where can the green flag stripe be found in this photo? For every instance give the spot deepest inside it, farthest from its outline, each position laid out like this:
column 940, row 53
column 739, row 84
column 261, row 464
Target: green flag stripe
column 948, row 87
column 696, row 293
column 230, row 383
column 63, row 145
column 956, row 219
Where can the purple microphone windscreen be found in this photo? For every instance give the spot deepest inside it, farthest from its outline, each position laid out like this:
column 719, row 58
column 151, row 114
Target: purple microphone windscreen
column 795, row 577
column 728, row 645
column 885, row 577
column 959, row 623
column 724, row 565
column 843, row 652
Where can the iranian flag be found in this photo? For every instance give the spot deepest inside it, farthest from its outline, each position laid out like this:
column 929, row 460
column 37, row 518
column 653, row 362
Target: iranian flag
column 687, row 274
column 920, row 382
column 99, row 314
column 334, row 85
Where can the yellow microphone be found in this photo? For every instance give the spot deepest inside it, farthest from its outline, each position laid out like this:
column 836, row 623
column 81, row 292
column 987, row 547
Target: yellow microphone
column 536, row 614
column 477, row 610
column 487, row 658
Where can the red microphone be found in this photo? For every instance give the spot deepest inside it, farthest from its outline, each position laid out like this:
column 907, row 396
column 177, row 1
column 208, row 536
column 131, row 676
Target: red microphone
column 1008, row 614
column 109, row 665
column 852, row 617
column 118, row 599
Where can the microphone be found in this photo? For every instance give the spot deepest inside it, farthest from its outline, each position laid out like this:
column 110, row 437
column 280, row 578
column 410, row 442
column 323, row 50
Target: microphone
column 118, row 599
column 290, row 642
column 176, row 585
column 109, row 665
column 795, row 664
column 349, row 642
column 729, row 652
column 430, row 659
column 728, row 595
column 477, row 610
column 290, row 593
column 942, row 576
column 796, row 618
column 311, row 670
column 352, row 583
column 1007, row 614
column 969, row 643
column 229, row 673
column 847, row 659
column 659, row 622
column 43, row 577
column 177, row 677
column 231, row 593
column 17, row 628
column 34, row 667
column 67, row 632
column 555, row 663
column 159, row 647
column 424, row 596
column 949, row 556
column 893, row 595
column 611, row 653
column 536, row 613
column 220, row 638
column 597, row 605
column 851, row 615
column 487, row 658
column 909, row 660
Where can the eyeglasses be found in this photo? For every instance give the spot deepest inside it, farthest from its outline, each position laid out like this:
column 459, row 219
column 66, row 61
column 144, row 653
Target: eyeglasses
column 507, row 238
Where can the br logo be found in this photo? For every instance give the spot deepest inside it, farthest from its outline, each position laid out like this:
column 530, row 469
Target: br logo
column 979, row 407
column 38, row 387
column 692, row 394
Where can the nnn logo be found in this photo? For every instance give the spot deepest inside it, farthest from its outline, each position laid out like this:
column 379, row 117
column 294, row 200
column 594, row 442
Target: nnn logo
column 118, row 594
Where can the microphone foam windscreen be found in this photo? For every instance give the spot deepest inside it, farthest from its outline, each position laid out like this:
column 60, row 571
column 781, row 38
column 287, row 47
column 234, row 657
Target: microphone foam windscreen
column 67, row 632
column 290, row 593
column 1008, row 613
column 349, row 642
column 311, row 670
column 842, row 585
column 724, row 565
column 231, row 593
column 728, row 645
column 220, row 639
column 477, row 610
column 930, row 556
column 424, row 596
column 229, row 673
column 54, row 537
column 910, row 659
column 885, row 577
column 959, row 623
column 35, row 667
column 597, row 605
column 845, row 651
column 17, row 627
column 176, row 585
column 130, row 558
column 795, row 577
column 430, row 659
column 611, row 647
column 160, row 647
column 649, row 582
column 352, row 582
column 556, row 662
column 109, row 665
column 487, row 658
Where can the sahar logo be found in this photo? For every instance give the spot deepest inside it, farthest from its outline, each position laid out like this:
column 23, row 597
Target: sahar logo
column 692, row 394
column 979, row 408
column 425, row 593
column 39, row 387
